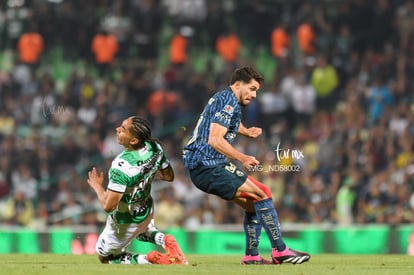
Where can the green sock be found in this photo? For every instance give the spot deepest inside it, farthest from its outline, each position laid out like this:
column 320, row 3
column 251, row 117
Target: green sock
column 155, row 237
column 145, row 237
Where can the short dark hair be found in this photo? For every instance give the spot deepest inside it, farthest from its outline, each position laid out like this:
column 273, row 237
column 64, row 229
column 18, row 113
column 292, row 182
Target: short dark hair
column 246, row 74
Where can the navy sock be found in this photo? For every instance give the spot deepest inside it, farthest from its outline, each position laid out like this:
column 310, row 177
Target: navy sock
column 267, row 216
column 252, row 230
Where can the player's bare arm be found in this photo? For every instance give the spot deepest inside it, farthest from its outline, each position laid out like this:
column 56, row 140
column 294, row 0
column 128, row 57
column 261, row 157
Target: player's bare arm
column 252, row 132
column 166, row 174
column 107, row 198
column 217, row 141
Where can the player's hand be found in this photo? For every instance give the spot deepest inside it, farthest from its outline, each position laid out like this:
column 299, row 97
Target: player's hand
column 249, row 162
column 95, row 178
column 254, row 132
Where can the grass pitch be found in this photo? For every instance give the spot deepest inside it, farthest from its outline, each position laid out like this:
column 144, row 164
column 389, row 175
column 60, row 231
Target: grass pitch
column 319, row 264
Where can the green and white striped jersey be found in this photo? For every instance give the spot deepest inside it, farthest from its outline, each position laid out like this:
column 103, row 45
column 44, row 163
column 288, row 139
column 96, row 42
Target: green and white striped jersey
column 131, row 173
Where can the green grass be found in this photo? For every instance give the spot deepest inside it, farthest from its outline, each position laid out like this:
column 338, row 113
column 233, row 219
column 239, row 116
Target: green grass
column 202, row 264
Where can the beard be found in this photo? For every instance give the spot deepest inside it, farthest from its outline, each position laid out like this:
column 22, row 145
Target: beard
column 242, row 103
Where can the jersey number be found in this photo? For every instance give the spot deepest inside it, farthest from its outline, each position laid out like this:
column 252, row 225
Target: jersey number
column 194, row 137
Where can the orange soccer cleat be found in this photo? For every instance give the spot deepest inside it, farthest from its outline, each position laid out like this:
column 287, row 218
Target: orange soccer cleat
column 173, row 249
column 156, row 257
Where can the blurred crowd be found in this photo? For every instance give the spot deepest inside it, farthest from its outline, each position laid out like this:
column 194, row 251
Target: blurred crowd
column 336, row 107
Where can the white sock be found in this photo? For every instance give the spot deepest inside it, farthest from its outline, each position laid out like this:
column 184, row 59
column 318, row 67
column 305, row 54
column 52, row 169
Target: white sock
column 142, row 259
column 159, row 239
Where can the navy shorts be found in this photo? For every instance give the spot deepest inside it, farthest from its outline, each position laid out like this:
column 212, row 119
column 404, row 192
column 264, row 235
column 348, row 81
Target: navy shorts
column 222, row 180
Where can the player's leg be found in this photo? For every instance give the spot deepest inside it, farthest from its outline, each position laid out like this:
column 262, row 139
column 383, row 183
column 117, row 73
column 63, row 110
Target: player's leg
column 252, row 230
column 115, row 238
column 268, row 218
column 224, row 181
column 167, row 242
column 152, row 235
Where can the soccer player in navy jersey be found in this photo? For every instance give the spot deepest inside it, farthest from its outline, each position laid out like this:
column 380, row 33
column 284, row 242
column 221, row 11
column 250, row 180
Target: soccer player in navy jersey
column 207, row 156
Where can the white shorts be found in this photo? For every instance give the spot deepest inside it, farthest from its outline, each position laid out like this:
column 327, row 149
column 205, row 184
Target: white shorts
column 115, row 237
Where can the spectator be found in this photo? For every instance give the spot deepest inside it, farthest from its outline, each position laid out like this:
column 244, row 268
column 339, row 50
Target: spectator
column 41, row 218
column 161, row 106
column 87, row 113
column 373, row 203
column 280, row 47
column 170, row 213
column 404, row 18
column 342, row 44
column 303, row 97
column 306, row 38
column 273, row 108
column 147, row 21
column 346, row 198
column 178, row 47
column 23, row 181
column 329, row 142
column 379, row 98
column 16, row 19
column 19, row 210
column 118, row 23
column 104, row 46
column 324, row 80
column 30, row 46
column 321, row 201
column 71, row 211
column 7, row 123
column 228, row 46
column 4, row 182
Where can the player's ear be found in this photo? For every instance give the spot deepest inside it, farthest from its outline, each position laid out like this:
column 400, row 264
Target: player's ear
column 134, row 141
column 237, row 84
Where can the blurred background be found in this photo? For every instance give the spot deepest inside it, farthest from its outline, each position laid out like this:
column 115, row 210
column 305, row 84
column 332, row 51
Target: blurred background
column 338, row 89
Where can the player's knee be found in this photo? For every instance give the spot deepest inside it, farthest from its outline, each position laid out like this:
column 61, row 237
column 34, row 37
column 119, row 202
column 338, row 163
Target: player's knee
column 267, row 191
column 103, row 260
column 262, row 187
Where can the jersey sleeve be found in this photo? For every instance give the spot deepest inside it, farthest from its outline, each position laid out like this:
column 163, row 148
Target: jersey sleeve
column 221, row 111
column 163, row 161
column 118, row 179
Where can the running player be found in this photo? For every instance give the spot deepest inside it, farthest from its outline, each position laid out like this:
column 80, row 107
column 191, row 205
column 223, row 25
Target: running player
column 207, row 155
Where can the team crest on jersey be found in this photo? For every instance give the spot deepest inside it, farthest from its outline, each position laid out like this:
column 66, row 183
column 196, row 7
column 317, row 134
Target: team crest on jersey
column 228, row 109
column 239, row 173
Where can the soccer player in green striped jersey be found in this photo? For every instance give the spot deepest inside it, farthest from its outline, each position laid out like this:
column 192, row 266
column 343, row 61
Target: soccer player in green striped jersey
column 128, row 200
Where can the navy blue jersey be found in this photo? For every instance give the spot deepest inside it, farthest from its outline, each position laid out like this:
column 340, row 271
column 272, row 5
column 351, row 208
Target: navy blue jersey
column 222, row 108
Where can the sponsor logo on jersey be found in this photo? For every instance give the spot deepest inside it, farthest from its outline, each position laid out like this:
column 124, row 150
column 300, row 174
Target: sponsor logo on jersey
column 239, row 173
column 228, row 109
column 223, row 117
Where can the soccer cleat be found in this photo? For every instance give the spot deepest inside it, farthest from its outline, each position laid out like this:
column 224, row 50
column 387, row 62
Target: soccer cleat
column 289, row 256
column 254, row 260
column 124, row 258
column 172, row 249
column 156, row 257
